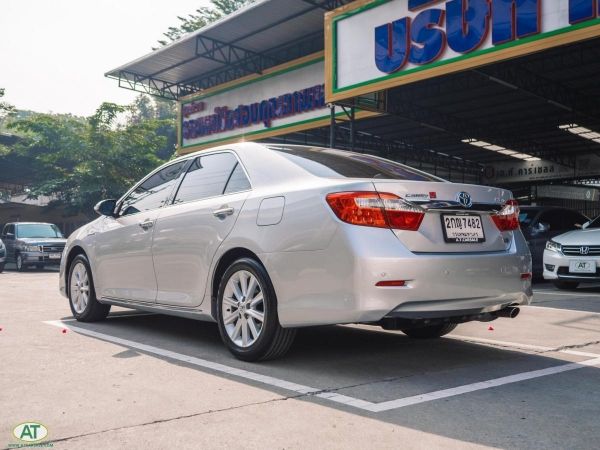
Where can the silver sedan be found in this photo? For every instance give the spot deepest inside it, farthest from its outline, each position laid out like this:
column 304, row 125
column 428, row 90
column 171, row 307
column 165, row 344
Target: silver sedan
column 264, row 238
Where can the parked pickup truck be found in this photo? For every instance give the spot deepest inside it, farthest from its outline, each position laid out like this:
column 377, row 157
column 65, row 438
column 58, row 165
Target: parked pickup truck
column 33, row 244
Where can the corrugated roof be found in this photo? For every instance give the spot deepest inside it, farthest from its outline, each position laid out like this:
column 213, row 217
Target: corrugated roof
column 250, row 35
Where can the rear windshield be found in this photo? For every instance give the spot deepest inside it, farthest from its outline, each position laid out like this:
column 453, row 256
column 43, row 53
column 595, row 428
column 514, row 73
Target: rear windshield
column 331, row 163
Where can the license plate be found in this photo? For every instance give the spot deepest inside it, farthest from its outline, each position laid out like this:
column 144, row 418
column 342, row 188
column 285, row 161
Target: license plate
column 582, row 266
column 462, row 228
column 54, row 255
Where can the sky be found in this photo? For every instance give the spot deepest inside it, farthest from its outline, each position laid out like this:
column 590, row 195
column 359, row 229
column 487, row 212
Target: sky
column 54, row 53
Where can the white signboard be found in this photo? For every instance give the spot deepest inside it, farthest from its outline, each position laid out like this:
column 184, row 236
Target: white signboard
column 278, row 102
column 380, row 44
column 589, row 194
column 522, row 171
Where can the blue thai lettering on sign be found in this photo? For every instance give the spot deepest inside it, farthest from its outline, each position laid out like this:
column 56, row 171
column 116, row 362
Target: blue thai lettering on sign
column 224, row 119
column 463, row 26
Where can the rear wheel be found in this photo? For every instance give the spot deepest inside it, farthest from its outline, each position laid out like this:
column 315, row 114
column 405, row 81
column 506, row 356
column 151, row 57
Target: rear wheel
column 430, row 331
column 247, row 313
column 20, row 264
column 568, row 285
column 82, row 297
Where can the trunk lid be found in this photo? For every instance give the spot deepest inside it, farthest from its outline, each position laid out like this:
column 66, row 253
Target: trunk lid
column 442, row 199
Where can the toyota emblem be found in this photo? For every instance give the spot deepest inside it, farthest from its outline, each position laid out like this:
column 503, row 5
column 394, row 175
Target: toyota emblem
column 464, row 198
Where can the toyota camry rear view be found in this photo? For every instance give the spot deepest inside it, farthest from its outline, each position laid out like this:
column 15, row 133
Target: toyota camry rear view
column 264, row 239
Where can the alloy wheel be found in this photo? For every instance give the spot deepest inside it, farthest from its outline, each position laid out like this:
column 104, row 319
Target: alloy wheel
column 79, row 288
column 243, row 308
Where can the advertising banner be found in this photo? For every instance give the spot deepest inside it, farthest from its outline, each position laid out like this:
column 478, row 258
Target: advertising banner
column 283, row 99
column 378, row 44
column 256, row 106
column 523, row 171
column 589, row 194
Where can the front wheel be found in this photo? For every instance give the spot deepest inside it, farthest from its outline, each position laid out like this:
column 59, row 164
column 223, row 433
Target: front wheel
column 247, row 313
column 19, row 263
column 2, row 267
column 430, row 331
column 82, row 297
column 565, row 285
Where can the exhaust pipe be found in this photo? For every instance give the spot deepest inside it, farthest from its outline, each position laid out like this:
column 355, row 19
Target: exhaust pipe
column 510, row 312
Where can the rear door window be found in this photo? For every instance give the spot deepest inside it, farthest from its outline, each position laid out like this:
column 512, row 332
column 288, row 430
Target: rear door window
column 210, row 176
column 238, row 181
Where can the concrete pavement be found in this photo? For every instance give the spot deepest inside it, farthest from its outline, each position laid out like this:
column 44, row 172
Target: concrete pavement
column 150, row 381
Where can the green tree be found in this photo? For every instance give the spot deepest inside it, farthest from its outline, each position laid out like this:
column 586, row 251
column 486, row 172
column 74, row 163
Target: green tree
column 81, row 161
column 5, row 108
column 162, row 114
column 202, row 17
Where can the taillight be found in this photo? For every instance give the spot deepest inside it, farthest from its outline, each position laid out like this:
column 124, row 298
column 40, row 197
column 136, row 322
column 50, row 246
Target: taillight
column 372, row 209
column 507, row 218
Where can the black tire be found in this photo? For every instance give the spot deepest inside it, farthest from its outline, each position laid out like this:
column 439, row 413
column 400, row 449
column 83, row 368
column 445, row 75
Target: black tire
column 430, row 331
column 273, row 341
column 21, row 267
column 2, row 267
column 94, row 310
column 39, row 266
column 565, row 285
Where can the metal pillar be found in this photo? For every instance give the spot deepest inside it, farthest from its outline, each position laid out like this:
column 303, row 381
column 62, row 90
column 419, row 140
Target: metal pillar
column 352, row 133
column 332, row 127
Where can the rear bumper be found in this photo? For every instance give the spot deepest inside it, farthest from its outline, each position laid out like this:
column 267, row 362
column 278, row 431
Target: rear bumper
column 337, row 285
column 556, row 267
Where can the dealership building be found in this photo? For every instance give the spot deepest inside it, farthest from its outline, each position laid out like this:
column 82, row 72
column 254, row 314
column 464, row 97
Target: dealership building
column 498, row 92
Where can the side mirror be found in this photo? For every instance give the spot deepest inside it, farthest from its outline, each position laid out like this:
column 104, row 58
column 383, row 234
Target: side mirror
column 10, row 236
column 106, row 207
column 585, row 225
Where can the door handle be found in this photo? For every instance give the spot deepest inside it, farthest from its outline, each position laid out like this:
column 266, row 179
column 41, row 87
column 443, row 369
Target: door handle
column 222, row 212
column 146, row 224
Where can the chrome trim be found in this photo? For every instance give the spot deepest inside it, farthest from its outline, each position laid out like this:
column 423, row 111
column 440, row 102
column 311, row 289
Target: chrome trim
column 446, row 205
column 575, row 250
column 187, row 313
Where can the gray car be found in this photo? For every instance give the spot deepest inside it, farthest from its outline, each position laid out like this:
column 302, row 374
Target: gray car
column 263, row 239
column 33, row 244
